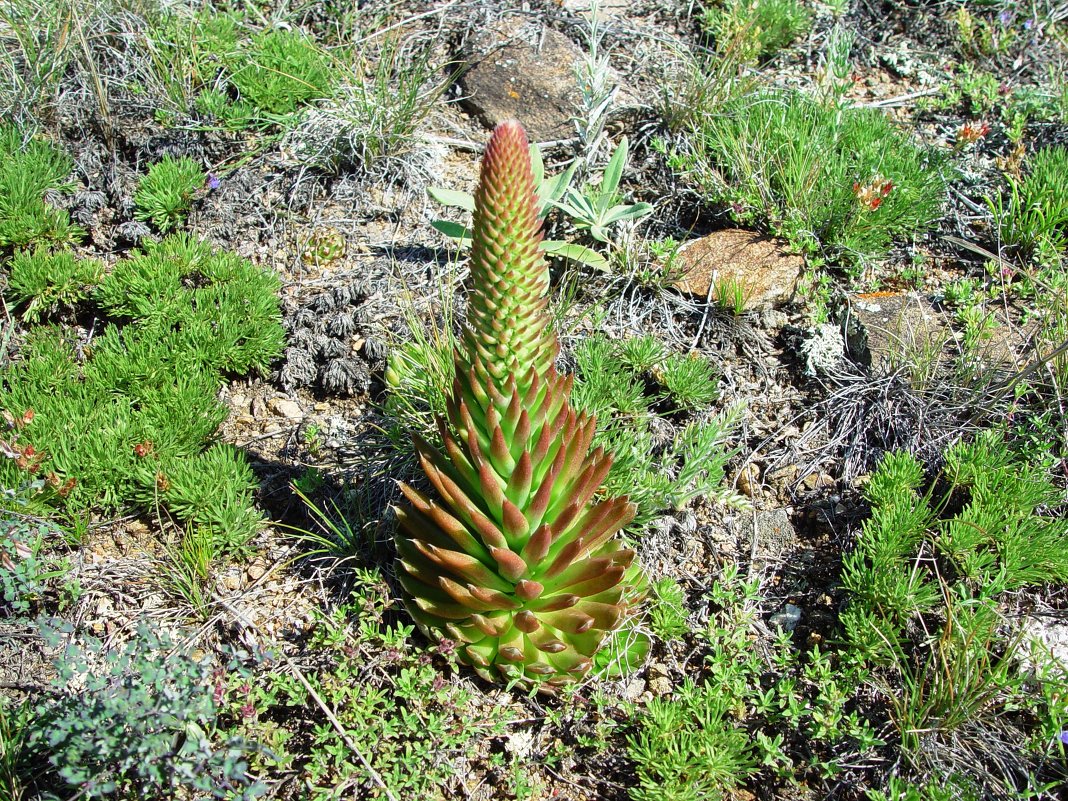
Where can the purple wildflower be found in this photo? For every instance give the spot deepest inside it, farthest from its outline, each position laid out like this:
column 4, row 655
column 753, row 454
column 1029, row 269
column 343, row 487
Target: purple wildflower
column 1064, row 737
column 213, row 181
column 1006, row 17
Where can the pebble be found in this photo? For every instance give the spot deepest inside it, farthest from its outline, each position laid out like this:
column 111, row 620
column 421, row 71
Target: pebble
column 748, row 480
column 657, row 670
column 687, row 522
column 661, row 686
column 240, row 404
column 286, row 408
column 784, row 474
column 255, row 572
column 815, row 481
column 787, row 618
column 231, row 582
column 634, row 690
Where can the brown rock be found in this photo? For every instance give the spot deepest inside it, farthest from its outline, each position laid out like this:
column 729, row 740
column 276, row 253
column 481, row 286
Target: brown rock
column 524, row 71
column 784, row 475
column 815, row 481
column 768, row 274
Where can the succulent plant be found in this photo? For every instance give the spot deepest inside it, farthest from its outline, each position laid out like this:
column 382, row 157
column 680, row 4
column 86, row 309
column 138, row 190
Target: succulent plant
column 515, row 557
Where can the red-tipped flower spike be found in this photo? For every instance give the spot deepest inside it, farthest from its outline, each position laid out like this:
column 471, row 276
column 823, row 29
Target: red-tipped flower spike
column 514, row 558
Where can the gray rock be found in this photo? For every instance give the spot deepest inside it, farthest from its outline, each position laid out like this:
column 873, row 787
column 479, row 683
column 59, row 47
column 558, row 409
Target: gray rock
column 523, row 71
column 634, row 689
column 890, row 331
column 773, row 530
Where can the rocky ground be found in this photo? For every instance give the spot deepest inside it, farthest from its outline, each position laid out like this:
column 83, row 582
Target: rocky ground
column 824, row 396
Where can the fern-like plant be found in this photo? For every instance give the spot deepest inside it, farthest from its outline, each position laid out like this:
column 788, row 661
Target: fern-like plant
column 514, row 558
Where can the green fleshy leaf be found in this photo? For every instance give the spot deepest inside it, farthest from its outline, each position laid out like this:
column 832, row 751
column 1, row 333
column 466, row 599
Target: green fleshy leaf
column 453, row 198
column 623, row 654
column 453, row 230
column 579, row 253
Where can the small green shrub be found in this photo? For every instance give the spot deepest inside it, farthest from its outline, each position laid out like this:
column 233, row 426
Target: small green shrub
column 974, row 91
column 26, row 573
column 239, row 80
column 213, row 489
column 30, row 167
column 841, row 183
column 414, row 729
column 211, row 308
column 145, row 395
column 667, row 613
column 705, row 739
column 165, row 194
column 46, row 280
column 692, row 381
column 755, row 29
column 925, row 580
column 146, row 725
column 688, row 749
column 281, row 70
column 1035, row 221
column 656, row 475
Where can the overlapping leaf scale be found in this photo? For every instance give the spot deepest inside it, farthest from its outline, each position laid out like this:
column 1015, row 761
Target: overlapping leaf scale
column 515, row 556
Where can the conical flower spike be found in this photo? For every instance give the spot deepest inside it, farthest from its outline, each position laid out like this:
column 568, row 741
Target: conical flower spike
column 514, row 555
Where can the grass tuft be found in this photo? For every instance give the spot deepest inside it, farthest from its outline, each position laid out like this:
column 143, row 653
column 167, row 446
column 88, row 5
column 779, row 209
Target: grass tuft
column 842, row 184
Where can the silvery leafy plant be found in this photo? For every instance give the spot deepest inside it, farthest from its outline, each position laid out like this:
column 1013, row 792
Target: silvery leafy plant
column 594, row 208
column 597, row 208
column 514, row 556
